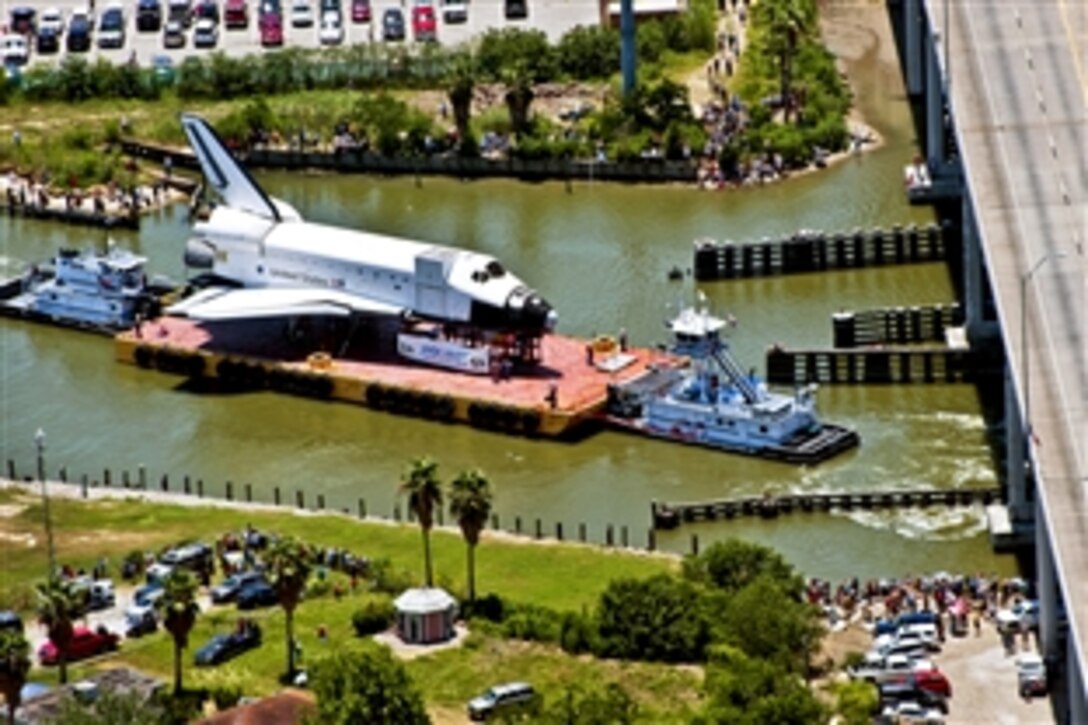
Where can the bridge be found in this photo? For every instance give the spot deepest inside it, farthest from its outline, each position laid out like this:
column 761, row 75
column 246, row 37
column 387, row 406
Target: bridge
column 1003, row 88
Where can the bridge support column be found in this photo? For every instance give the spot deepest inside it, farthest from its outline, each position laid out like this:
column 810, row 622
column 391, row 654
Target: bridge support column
column 1078, row 688
column 1015, row 478
column 912, row 42
column 934, row 106
column 1047, row 586
column 972, row 270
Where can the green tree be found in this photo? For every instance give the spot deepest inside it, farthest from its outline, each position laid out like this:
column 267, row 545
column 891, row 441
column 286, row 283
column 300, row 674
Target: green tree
column 856, row 701
column 59, row 605
column 179, row 612
column 460, row 86
column 367, row 686
column 14, row 666
column 610, row 705
column 470, row 504
column 767, row 623
column 749, row 691
column 424, row 491
column 787, row 23
column 519, row 97
column 586, row 52
column 500, row 50
column 659, row 618
column 290, row 562
column 733, row 564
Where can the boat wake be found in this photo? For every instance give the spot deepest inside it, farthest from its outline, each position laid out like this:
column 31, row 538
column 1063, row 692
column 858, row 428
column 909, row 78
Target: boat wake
column 929, row 524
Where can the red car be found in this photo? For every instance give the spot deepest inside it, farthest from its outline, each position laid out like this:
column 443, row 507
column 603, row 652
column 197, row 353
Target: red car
column 932, row 680
column 360, row 11
column 271, row 30
column 85, row 643
column 236, row 14
column 424, row 25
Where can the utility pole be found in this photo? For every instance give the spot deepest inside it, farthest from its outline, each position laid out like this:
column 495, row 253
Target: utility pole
column 627, row 45
column 39, row 443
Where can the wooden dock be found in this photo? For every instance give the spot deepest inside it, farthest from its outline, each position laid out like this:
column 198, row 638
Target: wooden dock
column 671, row 515
column 57, row 212
column 873, row 365
column 814, row 251
column 895, row 325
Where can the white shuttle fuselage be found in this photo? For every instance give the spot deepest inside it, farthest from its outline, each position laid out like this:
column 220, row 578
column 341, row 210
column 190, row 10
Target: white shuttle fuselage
column 286, row 266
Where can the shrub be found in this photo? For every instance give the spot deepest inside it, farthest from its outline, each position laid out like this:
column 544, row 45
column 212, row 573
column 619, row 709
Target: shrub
column 376, row 615
column 589, row 52
column 385, row 578
column 226, row 696
column 578, row 633
column 659, row 618
column 502, row 50
column 533, row 623
column 489, row 607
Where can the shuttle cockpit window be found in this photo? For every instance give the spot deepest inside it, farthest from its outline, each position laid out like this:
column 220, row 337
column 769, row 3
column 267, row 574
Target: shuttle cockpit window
column 494, row 269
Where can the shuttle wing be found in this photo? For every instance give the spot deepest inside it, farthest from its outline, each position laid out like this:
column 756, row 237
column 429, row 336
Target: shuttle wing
column 221, row 303
column 224, row 173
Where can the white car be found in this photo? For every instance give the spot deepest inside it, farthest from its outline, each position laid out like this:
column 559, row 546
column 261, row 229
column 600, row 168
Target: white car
column 13, row 49
column 1022, row 615
column 912, row 712
column 51, row 19
column 302, row 14
column 455, row 11
column 1031, row 675
column 205, row 34
column 332, row 31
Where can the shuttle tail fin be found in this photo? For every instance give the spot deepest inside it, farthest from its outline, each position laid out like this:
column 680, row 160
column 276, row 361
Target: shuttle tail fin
column 224, row 173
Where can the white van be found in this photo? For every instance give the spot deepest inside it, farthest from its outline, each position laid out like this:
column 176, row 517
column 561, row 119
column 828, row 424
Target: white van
column 13, row 49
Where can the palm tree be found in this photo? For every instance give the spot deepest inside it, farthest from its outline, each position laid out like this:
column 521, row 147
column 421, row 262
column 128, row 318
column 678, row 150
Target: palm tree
column 787, row 22
column 290, row 562
column 59, row 606
column 470, row 504
column 14, row 665
column 461, row 84
column 424, row 491
column 519, row 97
column 179, row 611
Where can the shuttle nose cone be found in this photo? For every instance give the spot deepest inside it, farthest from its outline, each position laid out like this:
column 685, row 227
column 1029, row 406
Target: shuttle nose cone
column 551, row 320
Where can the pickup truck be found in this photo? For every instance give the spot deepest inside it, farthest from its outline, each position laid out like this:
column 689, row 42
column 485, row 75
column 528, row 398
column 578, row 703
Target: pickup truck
column 887, row 669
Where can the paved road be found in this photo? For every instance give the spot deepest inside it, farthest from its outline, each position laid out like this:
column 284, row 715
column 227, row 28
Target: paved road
column 554, row 17
column 1019, row 86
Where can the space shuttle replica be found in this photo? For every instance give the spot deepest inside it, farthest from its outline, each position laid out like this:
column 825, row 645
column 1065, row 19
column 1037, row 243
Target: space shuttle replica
column 268, row 262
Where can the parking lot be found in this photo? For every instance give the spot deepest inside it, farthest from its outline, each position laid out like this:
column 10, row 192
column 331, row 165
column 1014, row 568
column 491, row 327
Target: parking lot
column 554, row 17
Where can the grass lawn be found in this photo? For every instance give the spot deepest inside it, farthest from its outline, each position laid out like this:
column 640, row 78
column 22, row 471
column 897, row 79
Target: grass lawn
column 565, row 577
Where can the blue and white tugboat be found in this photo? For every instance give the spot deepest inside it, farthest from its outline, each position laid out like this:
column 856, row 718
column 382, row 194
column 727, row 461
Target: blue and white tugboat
column 714, row 403
column 102, row 292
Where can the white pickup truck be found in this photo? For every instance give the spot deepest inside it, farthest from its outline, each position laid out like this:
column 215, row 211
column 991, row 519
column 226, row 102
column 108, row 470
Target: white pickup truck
column 877, row 669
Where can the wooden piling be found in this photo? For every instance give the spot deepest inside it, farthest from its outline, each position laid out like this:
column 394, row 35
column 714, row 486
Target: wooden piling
column 228, row 491
column 200, row 488
column 249, row 492
column 362, row 508
column 320, row 502
column 11, row 471
column 276, row 495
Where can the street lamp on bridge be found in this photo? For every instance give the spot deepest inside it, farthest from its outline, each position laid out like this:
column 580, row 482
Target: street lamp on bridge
column 1025, row 280
column 39, row 443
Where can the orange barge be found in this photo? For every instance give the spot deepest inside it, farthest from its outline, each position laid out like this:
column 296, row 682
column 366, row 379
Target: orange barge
column 551, row 399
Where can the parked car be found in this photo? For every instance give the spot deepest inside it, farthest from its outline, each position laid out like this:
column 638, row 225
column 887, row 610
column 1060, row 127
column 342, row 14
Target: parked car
column 205, row 34
column 501, row 699
column 892, row 693
column 455, row 11
column 148, row 594
column 79, row 32
column 424, row 24
column 181, row 11
column 223, row 647
column 1031, row 675
column 228, row 589
column 913, row 713
column 173, row 34
column 236, row 14
column 205, row 10
column 111, row 27
column 98, row 593
column 360, row 11
column 1021, row 615
column 877, row 669
column 393, row 24
column 517, row 9
column 331, row 6
column 162, row 69
column 302, row 14
column 51, row 19
column 932, row 680
column 85, row 643
column 14, row 50
column 331, row 32
column 194, row 557
column 925, row 632
column 140, row 621
column 256, row 594
column 10, row 621
column 271, row 29
column 22, row 20
column 149, row 16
